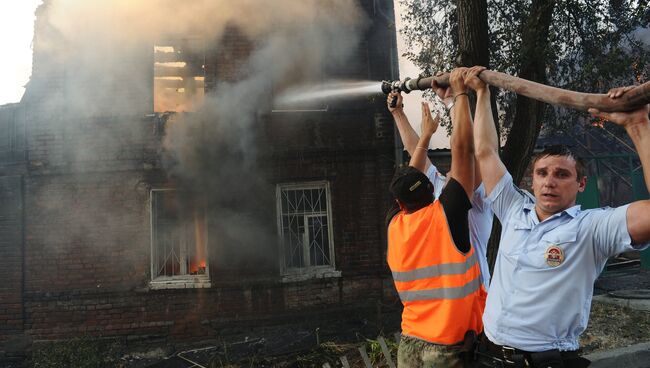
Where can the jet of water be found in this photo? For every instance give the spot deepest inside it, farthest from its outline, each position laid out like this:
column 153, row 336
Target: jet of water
column 329, row 90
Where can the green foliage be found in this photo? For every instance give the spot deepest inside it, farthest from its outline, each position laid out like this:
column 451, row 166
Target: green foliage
column 594, row 44
column 78, row 353
column 375, row 353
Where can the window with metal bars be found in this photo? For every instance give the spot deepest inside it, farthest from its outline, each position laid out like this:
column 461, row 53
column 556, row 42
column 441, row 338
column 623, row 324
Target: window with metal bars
column 305, row 226
column 178, row 238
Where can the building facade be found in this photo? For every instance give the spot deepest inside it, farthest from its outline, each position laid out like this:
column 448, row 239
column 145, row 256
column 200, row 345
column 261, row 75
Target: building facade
column 107, row 228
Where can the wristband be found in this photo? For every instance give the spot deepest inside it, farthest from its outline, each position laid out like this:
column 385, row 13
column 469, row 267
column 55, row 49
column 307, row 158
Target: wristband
column 460, row 94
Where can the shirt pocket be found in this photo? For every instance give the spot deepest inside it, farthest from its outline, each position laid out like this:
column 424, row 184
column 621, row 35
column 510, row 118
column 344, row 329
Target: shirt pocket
column 514, row 238
column 553, row 250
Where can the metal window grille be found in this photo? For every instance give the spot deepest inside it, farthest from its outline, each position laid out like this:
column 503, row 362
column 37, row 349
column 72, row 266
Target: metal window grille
column 304, row 224
column 179, row 237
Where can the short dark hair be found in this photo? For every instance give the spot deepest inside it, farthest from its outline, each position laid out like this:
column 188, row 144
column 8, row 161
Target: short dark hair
column 412, row 188
column 563, row 150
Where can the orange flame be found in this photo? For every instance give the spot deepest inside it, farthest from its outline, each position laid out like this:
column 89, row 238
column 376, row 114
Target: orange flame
column 198, row 264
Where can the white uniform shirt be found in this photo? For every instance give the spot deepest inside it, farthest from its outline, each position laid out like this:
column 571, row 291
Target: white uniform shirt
column 541, row 289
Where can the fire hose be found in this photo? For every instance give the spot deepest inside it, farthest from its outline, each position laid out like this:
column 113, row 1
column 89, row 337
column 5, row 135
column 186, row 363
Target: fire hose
column 631, row 100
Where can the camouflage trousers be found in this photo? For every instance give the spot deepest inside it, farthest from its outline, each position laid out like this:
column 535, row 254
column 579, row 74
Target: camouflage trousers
column 415, row 353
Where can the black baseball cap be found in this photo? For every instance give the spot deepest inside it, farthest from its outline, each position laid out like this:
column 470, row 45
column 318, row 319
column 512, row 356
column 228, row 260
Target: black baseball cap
column 412, row 188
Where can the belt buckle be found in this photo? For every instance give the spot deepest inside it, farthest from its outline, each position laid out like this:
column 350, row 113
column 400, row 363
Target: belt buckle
column 508, row 352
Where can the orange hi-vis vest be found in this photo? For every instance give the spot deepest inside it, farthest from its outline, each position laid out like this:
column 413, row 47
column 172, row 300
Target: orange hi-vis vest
column 439, row 286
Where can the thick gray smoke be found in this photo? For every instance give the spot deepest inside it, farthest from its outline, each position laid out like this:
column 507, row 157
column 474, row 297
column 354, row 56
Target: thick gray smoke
column 103, row 50
column 214, row 150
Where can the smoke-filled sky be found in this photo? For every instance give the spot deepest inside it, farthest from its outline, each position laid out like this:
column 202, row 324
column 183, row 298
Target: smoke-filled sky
column 16, row 32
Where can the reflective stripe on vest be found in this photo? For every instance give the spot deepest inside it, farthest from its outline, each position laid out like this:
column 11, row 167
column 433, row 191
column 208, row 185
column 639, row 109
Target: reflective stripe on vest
column 441, row 293
column 436, row 270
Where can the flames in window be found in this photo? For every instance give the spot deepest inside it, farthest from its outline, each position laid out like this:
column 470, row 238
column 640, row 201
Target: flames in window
column 179, row 237
column 179, row 75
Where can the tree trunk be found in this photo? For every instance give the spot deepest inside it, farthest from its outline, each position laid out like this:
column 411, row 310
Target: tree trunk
column 529, row 113
column 473, row 42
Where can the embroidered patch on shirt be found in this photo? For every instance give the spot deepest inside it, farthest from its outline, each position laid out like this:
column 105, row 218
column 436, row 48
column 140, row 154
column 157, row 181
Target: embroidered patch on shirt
column 554, row 256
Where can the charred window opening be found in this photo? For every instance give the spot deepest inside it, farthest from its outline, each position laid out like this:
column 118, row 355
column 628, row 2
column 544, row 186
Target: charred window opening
column 305, row 226
column 179, row 74
column 179, row 239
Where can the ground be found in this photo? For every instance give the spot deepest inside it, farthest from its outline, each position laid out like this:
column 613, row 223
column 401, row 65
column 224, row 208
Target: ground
column 610, row 327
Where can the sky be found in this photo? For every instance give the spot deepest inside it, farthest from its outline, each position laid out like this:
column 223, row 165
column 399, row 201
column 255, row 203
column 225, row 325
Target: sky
column 16, row 32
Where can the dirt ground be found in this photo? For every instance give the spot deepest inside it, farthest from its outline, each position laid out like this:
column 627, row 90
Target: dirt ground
column 612, row 326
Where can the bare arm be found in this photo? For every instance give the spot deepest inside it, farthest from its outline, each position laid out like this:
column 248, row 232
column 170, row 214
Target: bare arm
column 406, row 132
column 462, row 142
column 637, row 125
column 485, row 134
column 477, row 173
column 429, row 124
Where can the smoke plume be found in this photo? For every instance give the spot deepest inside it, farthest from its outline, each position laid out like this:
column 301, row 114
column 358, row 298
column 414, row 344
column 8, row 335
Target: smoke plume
column 212, row 151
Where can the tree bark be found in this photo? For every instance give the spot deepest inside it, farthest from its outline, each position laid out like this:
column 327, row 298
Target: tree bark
column 473, row 42
column 529, row 114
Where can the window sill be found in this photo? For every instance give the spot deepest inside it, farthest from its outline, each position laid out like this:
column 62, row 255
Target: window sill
column 180, row 283
column 309, row 274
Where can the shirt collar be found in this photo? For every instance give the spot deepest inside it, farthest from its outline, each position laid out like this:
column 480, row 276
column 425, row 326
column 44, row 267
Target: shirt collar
column 571, row 211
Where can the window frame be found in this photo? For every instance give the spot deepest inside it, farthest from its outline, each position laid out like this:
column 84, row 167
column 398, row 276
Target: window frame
column 298, row 273
column 186, row 281
column 173, row 41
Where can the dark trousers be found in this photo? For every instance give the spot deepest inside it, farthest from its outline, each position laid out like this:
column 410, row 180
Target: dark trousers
column 489, row 354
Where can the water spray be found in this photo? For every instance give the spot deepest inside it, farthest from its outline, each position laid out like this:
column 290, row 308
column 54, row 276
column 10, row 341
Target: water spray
column 631, row 100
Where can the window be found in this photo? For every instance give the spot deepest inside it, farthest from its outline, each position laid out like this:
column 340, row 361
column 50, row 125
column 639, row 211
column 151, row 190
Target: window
column 305, row 227
column 179, row 74
column 178, row 242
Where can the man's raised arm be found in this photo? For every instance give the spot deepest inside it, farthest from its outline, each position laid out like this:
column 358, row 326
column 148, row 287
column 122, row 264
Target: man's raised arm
column 419, row 158
column 406, row 132
column 486, row 143
column 462, row 143
column 637, row 125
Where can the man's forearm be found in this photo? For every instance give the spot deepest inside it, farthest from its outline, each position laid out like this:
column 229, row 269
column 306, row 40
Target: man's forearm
column 419, row 158
column 462, row 144
column 640, row 135
column 485, row 135
column 407, row 134
column 486, row 142
column 638, row 223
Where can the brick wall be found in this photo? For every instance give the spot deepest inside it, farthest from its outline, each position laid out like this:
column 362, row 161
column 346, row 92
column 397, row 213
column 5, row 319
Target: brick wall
column 86, row 250
column 188, row 313
column 11, row 252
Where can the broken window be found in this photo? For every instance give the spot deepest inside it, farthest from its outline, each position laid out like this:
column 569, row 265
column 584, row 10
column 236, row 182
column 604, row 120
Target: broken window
column 179, row 74
column 305, row 225
column 179, row 240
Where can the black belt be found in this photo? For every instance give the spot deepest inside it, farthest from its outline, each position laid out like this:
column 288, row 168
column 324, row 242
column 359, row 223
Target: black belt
column 507, row 356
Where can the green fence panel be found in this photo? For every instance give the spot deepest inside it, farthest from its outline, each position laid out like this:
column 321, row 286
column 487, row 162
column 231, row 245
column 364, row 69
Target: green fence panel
column 590, row 198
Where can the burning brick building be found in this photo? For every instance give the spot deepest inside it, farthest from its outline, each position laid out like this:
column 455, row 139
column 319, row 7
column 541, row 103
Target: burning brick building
column 151, row 185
